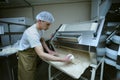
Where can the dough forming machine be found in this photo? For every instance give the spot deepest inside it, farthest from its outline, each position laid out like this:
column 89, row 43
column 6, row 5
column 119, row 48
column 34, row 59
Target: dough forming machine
column 81, row 40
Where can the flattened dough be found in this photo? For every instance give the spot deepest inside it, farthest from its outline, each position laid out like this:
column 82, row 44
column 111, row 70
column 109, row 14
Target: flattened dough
column 76, row 69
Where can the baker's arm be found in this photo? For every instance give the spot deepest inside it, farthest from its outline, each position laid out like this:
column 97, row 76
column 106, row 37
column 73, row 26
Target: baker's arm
column 48, row 57
column 46, row 47
column 44, row 44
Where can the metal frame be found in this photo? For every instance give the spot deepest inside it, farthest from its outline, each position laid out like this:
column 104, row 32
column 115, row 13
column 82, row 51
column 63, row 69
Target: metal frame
column 93, row 71
column 94, row 65
column 118, row 71
column 9, row 32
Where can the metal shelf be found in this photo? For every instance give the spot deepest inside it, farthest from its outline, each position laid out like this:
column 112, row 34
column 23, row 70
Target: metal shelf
column 9, row 33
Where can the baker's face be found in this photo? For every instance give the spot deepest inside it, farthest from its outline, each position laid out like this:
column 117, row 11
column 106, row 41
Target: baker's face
column 44, row 25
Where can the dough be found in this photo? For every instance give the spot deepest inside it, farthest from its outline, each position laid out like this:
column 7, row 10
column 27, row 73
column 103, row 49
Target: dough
column 71, row 57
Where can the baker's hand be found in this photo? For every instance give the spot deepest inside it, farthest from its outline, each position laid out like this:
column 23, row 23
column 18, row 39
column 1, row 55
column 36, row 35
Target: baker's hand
column 53, row 53
column 67, row 58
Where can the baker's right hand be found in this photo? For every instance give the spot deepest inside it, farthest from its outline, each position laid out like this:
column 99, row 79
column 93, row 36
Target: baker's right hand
column 67, row 58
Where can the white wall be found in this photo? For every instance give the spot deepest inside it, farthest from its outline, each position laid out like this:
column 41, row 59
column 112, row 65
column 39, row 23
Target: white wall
column 63, row 13
column 17, row 12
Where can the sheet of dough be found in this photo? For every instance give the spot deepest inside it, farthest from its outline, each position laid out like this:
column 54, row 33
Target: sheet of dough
column 76, row 69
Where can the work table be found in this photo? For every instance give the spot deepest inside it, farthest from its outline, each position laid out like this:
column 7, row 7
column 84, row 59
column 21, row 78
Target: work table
column 78, row 65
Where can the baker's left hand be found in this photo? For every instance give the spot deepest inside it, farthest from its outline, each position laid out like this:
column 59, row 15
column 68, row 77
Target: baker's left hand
column 53, row 53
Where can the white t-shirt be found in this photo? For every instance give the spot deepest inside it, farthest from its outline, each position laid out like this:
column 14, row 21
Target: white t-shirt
column 31, row 38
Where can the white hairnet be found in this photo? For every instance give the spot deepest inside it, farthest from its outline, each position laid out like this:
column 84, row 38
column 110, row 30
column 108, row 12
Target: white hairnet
column 45, row 16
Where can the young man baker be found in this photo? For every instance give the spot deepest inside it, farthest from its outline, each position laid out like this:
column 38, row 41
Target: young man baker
column 32, row 44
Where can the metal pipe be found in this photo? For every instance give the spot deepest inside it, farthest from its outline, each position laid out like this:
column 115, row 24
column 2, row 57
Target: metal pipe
column 49, row 72
column 13, row 23
column 102, row 70
column 9, row 34
column 93, row 74
column 113, row 33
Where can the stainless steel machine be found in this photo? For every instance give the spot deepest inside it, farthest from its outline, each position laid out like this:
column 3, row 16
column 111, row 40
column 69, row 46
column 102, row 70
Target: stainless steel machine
column 86, row 41
column 81, row 40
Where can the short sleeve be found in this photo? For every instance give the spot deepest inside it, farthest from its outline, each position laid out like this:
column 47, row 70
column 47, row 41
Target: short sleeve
column 34, row 40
